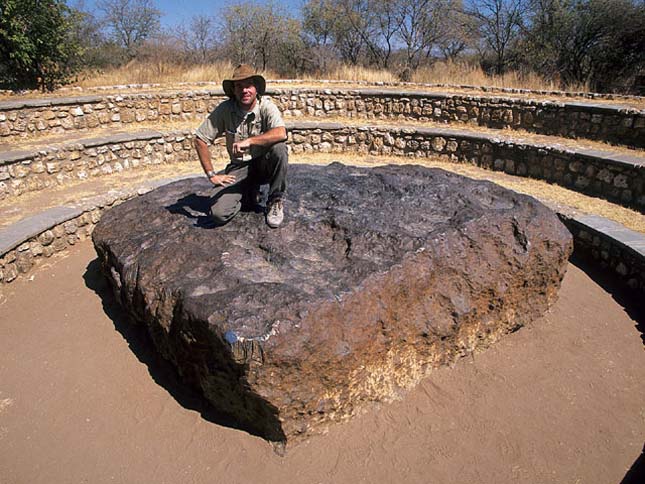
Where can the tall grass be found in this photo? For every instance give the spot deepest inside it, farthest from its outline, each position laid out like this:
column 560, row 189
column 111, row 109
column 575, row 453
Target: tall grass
column 161, row 72
column 344, row 72
column 473, row 75
column 164, row 72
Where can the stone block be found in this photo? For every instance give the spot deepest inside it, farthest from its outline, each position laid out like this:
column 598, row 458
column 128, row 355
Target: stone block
column 24, row 262
column 67, row 123
column 438, row 143
column 58, row 231
column 46, row 238
column 36, row 248
column 70, row 226
column 621, row 181
column 9, row 272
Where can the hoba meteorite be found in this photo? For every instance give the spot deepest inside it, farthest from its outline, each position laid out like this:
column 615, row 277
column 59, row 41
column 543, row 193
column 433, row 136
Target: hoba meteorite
column 376, row 277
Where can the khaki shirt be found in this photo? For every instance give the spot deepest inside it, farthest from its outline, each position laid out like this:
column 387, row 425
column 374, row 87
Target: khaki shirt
column 229, row 120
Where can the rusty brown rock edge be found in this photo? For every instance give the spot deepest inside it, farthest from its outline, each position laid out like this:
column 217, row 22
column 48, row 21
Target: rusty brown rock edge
column 461, row 289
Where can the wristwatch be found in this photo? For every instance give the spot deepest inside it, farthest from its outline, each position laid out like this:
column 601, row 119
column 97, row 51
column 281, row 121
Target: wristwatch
column 211, row 173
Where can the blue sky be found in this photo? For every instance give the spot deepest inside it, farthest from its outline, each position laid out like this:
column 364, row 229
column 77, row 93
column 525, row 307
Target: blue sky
column 174, row 13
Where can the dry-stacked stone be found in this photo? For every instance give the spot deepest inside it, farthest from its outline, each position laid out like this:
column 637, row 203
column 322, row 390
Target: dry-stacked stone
column 619, row 178
column 600, row 121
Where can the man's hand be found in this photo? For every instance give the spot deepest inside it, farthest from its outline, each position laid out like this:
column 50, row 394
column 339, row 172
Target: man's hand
column 222, row 179
column 240, row 147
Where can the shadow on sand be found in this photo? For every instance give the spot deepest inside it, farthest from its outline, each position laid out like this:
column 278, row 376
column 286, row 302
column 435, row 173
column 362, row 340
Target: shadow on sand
column 630, row 300
column 161, row 371
column 636, row 473
column 165, row 374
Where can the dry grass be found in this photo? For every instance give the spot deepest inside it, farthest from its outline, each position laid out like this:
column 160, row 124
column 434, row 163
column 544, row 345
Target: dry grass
column 442, row 76
column 161, row 72
column 138, row 72
column 472, row 75
column 354, row 73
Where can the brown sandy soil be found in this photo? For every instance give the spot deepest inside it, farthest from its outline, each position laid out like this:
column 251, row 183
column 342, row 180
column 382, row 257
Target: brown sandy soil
column 82, row 399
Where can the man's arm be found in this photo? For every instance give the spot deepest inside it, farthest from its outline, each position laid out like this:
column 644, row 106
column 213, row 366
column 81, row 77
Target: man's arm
column 207, row 164
column 268, row 138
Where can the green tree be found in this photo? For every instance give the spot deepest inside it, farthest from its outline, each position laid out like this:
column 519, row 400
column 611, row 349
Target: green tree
column 254, row 33
column 130, row 22
column 457, row 31
column 500, row 25
column 335, row 27
column 318, row 29
column 600, row 43
column 421, row 27
column 294, row 56
column 38, row 44
column 374, row 32
column 198, row 38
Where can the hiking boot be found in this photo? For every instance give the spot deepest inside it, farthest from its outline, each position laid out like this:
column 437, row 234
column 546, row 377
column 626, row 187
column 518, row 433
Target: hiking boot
column 275, row 213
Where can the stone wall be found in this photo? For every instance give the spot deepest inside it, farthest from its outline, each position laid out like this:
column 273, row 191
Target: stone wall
column 611, row 247
column 30, row 253
column 64, row 115
column 22, row 171
column 620, row 179
column 601, row 122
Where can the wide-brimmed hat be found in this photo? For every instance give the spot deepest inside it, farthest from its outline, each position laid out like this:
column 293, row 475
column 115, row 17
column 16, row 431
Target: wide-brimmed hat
column 241, row 72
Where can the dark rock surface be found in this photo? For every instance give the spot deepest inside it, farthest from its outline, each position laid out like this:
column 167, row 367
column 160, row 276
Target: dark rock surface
column 376, row 277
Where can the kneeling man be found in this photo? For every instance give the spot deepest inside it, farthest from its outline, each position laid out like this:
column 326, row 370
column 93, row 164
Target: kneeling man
column 255, row 140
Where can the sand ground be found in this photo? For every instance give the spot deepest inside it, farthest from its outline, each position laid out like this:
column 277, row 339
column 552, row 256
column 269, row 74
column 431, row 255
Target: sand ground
column 83, row 400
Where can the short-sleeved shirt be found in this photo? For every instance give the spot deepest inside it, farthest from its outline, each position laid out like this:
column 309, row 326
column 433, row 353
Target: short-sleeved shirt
column 229, row 120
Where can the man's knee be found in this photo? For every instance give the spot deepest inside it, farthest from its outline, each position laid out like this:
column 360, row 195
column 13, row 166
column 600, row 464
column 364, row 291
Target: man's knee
column 223, row 210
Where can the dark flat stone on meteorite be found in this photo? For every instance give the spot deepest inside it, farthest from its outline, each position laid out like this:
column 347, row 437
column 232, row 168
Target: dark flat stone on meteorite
column 376, row 277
